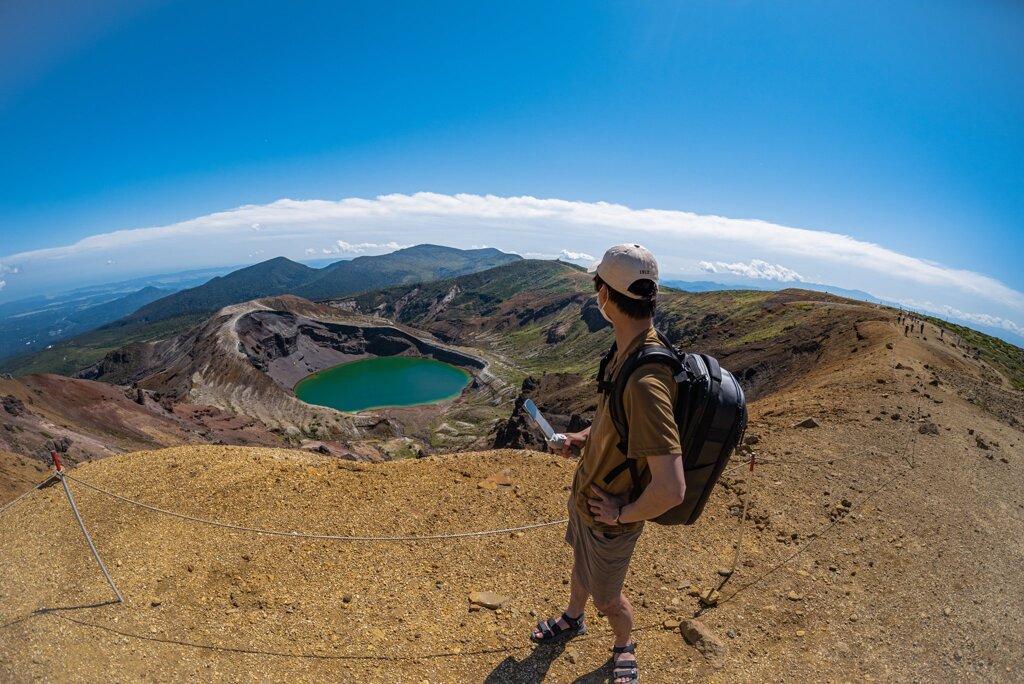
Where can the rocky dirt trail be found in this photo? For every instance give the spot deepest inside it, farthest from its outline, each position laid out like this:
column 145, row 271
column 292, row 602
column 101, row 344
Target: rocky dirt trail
column 881, row 545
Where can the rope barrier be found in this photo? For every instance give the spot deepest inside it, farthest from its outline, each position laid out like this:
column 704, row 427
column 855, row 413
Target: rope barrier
column 300, row 535
column 817, row 536
column 910, row 445
column 67, row 490
column 38, row 486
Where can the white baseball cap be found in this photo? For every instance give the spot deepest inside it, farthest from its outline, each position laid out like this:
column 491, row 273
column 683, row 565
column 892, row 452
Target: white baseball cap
column 623, row 265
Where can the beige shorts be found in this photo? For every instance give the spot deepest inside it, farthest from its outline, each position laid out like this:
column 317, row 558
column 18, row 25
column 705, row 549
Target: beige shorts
column 600, row 559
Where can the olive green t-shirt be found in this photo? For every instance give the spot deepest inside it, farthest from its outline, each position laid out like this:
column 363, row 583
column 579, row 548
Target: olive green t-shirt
column 648, row 401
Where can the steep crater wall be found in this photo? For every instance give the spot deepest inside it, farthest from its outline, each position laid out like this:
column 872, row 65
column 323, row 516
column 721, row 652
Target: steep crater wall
column 289, row 347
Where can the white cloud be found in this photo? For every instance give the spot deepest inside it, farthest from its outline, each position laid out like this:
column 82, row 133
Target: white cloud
column 947, row 311
column 311, row 250
column 256, row 227
column 576, row 256
column 347, row 248
column 757, row 268
column 524, row 224
column 537, row 218
column 3, row 284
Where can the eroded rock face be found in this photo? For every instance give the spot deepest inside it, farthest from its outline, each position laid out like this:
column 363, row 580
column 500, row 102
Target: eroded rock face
column 288, row 347
column 567, row 400
column 12, row 405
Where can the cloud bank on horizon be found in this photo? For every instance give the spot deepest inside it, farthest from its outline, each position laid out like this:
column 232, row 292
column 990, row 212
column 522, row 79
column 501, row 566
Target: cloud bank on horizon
column 686, row 245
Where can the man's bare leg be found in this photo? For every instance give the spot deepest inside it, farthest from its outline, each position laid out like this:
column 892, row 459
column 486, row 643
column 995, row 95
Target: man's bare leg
column 578, row 596
column 620, row 616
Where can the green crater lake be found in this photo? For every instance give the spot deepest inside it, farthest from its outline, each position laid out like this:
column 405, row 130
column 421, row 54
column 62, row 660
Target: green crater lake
column 383, row 381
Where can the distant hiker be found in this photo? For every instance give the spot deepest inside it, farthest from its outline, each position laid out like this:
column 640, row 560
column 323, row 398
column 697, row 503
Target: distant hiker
column 922, row 328
column 603, row 525
column 906, row 330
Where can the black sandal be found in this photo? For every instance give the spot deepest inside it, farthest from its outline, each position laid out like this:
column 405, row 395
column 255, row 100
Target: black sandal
column 629, row 670
column 551, row 631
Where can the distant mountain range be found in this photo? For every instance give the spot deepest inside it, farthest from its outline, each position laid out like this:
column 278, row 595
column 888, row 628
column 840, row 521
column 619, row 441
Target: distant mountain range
column 30, row 325
column 284, row 276
column 160, row 314
column 709, row 286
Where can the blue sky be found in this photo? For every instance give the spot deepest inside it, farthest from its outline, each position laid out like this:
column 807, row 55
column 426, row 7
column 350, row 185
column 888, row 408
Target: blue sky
column 897, row 124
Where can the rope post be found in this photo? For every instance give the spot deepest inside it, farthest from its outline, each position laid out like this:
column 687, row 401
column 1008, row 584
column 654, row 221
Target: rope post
column 60, row 474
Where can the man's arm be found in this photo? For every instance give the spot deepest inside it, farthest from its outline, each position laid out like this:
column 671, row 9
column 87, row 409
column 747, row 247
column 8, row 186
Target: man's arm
column 665, row 490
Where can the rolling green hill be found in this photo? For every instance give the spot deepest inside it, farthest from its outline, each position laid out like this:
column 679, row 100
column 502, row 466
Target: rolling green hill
column 411, row 265
column 271, row 277
column 541, row 316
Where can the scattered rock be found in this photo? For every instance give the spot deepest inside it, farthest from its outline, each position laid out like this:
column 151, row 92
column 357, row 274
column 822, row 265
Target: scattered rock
column 724, row 572
column 752, row 439
column 982, row 444
column 703, row 639
column 496, row 481
column 928, row 429
column 793, row 596
column 670, row 624
column 807, row 423
column 13, row 405
column 488, row 599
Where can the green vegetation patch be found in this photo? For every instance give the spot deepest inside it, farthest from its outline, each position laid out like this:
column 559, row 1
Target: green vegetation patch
column 72, row 355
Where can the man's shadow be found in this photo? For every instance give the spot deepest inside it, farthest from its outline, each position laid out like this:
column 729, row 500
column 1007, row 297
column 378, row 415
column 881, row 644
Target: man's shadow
column 534, row 668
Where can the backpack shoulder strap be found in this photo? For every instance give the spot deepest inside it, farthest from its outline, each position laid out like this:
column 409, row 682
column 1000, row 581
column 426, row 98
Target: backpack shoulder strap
column 616, row 409
column 641, row 357
column 603, row 385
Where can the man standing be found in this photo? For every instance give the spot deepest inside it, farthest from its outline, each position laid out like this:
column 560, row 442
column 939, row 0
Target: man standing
column 604, row 524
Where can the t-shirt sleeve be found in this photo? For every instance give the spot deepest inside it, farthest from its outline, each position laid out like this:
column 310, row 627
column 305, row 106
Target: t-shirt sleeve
column 648, row 403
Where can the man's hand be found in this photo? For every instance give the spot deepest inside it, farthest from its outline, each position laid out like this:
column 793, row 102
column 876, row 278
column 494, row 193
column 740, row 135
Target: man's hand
column 572, row 439
column 606, row 506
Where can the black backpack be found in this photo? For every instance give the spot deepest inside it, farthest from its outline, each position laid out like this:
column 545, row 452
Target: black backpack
column 710, row 412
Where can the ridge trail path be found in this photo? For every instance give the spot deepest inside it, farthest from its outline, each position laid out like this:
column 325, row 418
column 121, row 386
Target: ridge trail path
column 919, row 583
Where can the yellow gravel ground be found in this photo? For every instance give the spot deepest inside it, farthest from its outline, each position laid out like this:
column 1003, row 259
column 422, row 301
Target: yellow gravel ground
column 917, row 583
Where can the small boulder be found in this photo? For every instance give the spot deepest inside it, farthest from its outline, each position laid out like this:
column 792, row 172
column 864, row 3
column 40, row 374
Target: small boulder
column 752, row 439
column 703, row 639
column 488, row 599
column 982, row 444
column 807, row 423
column 12, row 405
column 928, row 429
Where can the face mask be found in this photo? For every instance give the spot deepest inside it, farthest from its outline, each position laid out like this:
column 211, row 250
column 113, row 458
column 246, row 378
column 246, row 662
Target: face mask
column 601, row 309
